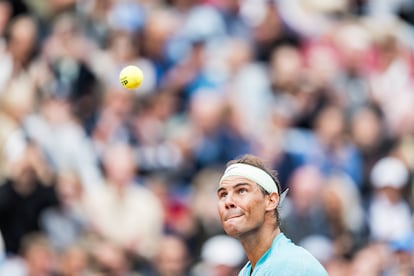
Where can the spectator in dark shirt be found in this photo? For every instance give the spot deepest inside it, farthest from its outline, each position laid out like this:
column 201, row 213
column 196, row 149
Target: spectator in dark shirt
column 23, row 196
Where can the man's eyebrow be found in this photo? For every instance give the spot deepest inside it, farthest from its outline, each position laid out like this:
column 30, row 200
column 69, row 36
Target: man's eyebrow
column 235, row 186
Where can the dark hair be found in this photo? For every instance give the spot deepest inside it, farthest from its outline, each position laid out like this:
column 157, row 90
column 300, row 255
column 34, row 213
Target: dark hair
column 255, row 161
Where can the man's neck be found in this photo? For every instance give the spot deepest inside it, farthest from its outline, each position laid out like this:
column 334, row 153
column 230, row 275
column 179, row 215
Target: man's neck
column 256, row 244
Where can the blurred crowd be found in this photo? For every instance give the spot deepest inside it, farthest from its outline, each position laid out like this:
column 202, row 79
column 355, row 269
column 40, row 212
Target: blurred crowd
column 100, row 180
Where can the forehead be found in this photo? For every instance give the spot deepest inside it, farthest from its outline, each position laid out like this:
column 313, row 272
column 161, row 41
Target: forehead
column 231, row 181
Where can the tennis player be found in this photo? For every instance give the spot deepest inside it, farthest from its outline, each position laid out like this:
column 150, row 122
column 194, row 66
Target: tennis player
column 249, row 194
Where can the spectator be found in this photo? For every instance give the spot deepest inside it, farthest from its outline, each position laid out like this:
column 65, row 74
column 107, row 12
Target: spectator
column 220, row 256
column 36, row 257
column 370, row 260
column 217, row 139
column 303, row 205
column 123, row 211
column 208, row 223
column 64, row 141
column 21, row 37
column 172, row 257
column 109, row 258
column 330, row 151
column 66, row 223
column 366, row 126
column 74, row 260
column 389, row 213
column 347, row 224
column 23, row 198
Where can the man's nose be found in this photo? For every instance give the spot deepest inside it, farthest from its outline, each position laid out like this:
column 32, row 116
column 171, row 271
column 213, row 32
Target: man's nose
column 229, row 202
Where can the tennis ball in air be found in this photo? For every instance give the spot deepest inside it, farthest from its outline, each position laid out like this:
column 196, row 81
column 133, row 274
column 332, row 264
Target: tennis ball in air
column 131, row 77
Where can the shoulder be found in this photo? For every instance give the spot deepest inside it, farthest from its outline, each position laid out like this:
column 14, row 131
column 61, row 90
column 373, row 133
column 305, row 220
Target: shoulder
column 290, row 259
column 302, row 264
column 292, row 270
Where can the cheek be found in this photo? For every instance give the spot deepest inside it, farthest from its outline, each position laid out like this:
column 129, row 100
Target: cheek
column 255, row 209
column 220, row 209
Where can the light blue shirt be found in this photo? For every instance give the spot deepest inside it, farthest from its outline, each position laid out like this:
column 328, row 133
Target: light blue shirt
column 284, row 258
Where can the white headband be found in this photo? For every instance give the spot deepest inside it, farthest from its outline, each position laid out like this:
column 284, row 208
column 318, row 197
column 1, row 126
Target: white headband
column 252, row 173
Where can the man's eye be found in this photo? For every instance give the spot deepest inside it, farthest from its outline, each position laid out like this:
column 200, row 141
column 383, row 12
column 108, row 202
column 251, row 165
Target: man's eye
column 242, row 191
column 222, row 195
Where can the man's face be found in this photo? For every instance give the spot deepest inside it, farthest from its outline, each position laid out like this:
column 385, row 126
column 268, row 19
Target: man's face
column 241, row 206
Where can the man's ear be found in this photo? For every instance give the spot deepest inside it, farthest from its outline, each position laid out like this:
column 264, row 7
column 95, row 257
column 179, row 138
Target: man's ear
column 273, row 201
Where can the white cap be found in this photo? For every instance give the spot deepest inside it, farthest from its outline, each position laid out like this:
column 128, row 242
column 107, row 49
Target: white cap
column 389, row 172
column 223, row 250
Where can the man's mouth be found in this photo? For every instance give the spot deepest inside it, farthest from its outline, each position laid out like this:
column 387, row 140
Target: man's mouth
column 232, row 217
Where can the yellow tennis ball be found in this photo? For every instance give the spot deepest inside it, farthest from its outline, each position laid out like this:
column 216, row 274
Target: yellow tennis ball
column 131, row 77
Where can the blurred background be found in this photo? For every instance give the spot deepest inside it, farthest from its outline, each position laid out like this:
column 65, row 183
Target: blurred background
column 98, row 180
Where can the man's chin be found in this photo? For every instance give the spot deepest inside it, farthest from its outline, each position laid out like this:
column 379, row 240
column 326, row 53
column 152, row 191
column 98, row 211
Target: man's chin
column 232, row 229
column 232, row 233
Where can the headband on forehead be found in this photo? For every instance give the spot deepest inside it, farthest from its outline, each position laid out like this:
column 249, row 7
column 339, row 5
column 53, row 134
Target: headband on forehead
column 252, row 173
